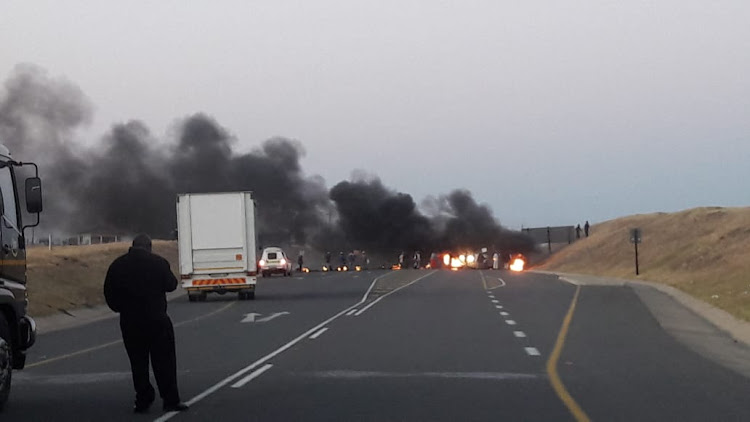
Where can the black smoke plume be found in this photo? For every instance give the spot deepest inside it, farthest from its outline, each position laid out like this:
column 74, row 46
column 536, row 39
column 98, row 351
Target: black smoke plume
column 127, row 182
column 377, row 219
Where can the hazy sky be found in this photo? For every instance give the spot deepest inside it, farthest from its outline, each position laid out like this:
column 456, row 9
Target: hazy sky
column 552, row 112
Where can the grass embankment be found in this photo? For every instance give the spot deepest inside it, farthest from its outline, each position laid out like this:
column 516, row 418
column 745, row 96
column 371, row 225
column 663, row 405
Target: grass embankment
column 71, row 277
column 703, row 251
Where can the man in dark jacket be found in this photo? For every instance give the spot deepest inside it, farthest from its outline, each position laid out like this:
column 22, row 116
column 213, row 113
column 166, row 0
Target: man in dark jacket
column 136, row 287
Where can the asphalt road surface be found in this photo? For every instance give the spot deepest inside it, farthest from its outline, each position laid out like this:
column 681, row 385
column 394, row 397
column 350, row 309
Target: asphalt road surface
column 434, row 346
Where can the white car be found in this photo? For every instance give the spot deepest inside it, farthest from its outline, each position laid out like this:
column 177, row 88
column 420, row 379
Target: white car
column 274, row 261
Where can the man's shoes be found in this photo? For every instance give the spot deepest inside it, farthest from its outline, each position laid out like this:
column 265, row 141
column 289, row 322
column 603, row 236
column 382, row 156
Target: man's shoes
column 141, row 407
column 178, row 407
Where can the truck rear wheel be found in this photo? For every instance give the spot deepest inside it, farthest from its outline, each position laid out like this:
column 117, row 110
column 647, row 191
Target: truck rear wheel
column 6, row 360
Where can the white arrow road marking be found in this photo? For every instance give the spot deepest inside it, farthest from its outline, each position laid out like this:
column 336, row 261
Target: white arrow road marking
column 255, row 374
column 502, row 283
column 251, row 317
column 272, row 316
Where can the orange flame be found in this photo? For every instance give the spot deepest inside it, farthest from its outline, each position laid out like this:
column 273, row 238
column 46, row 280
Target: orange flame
column 517, row 265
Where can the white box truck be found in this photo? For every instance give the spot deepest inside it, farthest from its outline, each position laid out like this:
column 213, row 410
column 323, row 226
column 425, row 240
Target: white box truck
column 217, row 244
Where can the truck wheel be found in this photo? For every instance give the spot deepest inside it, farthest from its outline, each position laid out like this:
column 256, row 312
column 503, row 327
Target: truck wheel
column 6, row 360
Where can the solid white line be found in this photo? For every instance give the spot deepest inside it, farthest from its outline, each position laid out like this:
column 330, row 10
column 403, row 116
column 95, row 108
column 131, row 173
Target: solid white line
column 510, row 322
column 371, row 304
column 499, row 306
column 255, row 374
column 351, row 312
column 319, row 333
column 169, row 415
column 532, row 351
column 519, row 334
column 504, row 313
column 495, row 301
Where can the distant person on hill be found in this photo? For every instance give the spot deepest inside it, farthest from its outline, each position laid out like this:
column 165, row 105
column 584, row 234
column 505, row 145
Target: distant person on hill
column 586, row 228
column 300, row 261
column 578, row 231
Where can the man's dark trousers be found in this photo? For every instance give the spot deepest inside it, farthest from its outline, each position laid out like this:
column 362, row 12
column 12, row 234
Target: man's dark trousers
column 151, row 337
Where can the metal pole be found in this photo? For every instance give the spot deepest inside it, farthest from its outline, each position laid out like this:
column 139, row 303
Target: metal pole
column 637, row 270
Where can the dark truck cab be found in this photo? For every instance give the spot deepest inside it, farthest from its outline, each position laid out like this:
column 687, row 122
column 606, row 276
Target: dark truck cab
column 17, row 329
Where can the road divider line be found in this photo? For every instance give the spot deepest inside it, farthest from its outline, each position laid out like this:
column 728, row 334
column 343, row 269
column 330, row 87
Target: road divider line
column 350, row 313
column 255, row 374
column 519, row 334
column 219, row 385
column 112, row 343
column 554, row 377
column 532, row 351
column 371, row 304
column 484, row 282
column 319, row 333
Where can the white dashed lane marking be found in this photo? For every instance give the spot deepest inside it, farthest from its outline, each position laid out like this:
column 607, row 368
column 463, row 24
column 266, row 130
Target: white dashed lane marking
column 319, row 333
column 504, row 313
column 255, row 374
column 510, row 322
column 495, row 301
column 519, row 334
column 532, row 351
column 499, row 306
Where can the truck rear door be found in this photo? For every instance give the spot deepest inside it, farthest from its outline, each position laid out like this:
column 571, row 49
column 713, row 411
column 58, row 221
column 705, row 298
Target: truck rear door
column 217, row 232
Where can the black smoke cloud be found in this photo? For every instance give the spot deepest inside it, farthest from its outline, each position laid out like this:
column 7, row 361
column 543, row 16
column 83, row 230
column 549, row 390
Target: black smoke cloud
column 378, row 219
column 127, row 181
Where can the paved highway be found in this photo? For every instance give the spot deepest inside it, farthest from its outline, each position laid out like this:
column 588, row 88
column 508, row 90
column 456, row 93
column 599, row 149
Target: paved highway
column 413, row 346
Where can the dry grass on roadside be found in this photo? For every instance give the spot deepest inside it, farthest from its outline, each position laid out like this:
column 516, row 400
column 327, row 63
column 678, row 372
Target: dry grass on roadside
column 703, row 251
column 70, row 277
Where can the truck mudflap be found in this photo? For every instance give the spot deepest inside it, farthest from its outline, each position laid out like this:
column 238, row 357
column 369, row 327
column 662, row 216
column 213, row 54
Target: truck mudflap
column 26, row 332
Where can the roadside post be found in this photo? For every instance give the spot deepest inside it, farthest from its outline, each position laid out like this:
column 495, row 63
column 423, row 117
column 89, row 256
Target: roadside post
column 635, row 239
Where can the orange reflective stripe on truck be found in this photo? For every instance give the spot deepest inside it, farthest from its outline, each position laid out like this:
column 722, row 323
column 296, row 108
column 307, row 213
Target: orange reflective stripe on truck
column 217, row 281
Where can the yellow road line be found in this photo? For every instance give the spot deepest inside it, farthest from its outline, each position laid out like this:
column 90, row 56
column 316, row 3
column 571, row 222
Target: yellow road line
column 554, row 377
column 112, row 343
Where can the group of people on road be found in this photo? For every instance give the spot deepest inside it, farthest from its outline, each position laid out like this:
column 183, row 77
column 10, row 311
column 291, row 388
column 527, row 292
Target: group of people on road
column 349, row 260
